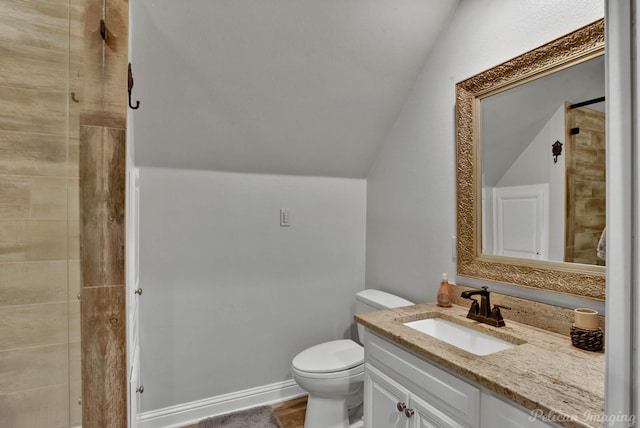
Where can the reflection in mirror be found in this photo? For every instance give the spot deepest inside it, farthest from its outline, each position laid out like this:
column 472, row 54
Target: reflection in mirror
column 509, row 115
column 537, row 203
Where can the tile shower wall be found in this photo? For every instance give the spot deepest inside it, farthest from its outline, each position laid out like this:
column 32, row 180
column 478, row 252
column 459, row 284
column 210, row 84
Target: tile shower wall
column 39, row 220
column 586, row 186
column 98, row 77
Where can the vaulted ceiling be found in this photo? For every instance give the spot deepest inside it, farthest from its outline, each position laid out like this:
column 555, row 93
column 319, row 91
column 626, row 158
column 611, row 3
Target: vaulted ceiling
column 512, row 119
column 303, row 87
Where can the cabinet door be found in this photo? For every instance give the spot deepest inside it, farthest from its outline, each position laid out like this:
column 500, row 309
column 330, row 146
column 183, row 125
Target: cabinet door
column 427, row 416
column 384, row 401
column 451, row 395
column 498, row 413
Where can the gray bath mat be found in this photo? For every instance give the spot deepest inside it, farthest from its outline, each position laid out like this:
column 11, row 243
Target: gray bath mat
column 258, row 417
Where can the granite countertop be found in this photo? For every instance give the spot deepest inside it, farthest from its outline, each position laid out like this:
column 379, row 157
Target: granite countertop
column 545, row 373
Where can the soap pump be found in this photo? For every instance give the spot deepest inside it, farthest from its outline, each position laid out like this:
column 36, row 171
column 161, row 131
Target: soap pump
column 444, row 292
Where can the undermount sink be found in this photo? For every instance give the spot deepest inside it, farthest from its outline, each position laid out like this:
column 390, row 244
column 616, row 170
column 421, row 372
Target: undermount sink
column 470, row 340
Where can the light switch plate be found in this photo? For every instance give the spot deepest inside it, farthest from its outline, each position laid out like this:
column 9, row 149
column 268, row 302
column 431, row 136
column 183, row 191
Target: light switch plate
column 285, row 217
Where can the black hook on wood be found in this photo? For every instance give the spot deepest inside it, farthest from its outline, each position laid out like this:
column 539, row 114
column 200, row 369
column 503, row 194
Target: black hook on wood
column 137, row 106
column 103, row 30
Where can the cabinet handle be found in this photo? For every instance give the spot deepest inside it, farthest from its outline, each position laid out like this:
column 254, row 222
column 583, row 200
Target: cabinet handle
column 401, row 406
column 408, row 412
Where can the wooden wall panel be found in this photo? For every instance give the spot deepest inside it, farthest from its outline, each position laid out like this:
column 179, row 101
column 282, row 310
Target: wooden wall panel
column 91, row 209
column 44, row 406
column 104, row 371
column 28, row 110
column 47, row 69
column 32, row 154
column 586, row 186
column 99, row 78
column 39, row 23
column 39, row 213
column 102, row 194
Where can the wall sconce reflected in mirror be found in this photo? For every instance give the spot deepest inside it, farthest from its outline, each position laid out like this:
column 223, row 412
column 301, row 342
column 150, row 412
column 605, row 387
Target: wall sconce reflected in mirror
column 556, row 150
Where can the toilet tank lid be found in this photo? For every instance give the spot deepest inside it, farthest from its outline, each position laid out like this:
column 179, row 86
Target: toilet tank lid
column 382, row 300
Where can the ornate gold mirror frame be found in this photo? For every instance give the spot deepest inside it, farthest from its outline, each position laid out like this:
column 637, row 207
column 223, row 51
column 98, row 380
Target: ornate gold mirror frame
column 569, row 278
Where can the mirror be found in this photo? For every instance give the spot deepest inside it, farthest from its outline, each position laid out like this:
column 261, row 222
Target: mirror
column 531, row 169
column 536, row 204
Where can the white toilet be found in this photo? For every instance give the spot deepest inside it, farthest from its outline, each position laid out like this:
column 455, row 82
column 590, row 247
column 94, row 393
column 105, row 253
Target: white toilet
column 333, row 372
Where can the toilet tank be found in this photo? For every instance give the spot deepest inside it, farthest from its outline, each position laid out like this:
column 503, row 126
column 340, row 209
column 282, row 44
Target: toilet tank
column 374, row 300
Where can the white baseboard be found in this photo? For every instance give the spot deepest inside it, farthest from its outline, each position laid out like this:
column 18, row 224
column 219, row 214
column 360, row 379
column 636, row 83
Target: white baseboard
column 190, row 413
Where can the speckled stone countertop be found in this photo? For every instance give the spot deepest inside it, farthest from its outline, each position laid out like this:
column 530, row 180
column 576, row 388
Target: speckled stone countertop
column 544, row 372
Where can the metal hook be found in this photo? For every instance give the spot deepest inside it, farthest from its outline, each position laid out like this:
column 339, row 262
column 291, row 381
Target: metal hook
column 130, row 88
column 73, row 97
column 556, row 150
column 103, row 30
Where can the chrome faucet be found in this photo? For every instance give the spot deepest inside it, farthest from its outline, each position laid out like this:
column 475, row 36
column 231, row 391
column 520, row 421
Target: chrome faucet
column 482, row 312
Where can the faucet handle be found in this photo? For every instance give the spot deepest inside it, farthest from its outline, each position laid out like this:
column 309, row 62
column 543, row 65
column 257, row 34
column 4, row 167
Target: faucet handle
column 497, row 315
column 495, row 312
column 474, row 309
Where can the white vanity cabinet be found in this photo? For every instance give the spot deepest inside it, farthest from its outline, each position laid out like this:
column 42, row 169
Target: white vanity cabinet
column 498, row 413
column 403, row 390
column 391, row 405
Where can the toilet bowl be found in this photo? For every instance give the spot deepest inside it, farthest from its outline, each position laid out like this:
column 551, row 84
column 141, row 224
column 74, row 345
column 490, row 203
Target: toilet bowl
column 333, row 375
column 333, row 372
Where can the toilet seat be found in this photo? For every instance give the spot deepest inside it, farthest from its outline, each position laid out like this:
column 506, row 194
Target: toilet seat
column 352, row 372
column 337, row 358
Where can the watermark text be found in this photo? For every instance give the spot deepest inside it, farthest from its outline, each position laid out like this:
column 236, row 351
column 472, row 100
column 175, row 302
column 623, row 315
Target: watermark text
column 587, row 416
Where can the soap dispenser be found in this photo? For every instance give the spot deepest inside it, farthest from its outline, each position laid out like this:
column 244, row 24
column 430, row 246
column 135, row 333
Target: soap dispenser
column 444, row 293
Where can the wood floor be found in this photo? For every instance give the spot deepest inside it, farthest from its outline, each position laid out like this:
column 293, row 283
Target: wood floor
column 289, row 413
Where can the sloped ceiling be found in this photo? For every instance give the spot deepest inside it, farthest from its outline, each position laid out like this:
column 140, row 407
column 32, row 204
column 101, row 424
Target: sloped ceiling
column 513, row 118
column 303, row 87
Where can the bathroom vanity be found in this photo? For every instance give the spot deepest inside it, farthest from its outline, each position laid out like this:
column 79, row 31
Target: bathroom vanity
column 413, row 379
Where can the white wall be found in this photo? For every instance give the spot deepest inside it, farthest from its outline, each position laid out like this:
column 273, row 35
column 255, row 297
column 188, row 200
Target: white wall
column 411, row 199
column 557, row 186
column 230, row 297
column 535, row 165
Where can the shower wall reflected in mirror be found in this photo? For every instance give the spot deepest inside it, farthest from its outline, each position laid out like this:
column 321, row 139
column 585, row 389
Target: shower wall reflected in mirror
column 40, row 352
